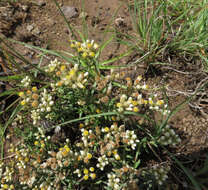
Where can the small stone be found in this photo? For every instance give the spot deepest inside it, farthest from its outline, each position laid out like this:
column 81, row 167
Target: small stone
column 30, row 28
column 70, row 12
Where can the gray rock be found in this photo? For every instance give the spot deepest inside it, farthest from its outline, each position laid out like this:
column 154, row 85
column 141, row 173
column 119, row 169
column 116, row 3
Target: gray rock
column 70, row 12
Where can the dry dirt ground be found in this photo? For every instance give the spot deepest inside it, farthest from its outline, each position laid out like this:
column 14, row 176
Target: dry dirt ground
column 39, row 22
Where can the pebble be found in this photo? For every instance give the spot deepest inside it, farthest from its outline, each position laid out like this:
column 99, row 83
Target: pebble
column 70, row 12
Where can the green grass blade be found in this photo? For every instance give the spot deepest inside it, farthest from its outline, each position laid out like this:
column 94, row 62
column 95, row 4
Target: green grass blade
column 56, row 53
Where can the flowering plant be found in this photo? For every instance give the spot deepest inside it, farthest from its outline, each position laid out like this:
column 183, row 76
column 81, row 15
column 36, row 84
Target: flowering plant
column 86, row 128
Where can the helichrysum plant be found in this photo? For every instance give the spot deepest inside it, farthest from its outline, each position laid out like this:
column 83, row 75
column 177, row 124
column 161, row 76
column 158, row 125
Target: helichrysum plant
column 103, row 116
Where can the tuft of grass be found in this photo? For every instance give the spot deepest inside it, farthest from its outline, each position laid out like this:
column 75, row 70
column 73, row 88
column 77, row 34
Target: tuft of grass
column 167, row 28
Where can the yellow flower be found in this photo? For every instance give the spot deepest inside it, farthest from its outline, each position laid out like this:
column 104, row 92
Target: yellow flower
column 106, row 129
column 85, row 133
column 97, row 110
column 80, row 49
column 89, row 45
column 23, row 102
column 160, row 102
column 151, row 102
column 52, row 68
column 89, row 156
column 118, row 105
column 64, row 153
column 36, row 143
column 81, row 125
column 5, row 186
column 92, row 169
column 72, row 45
column 42, row 145
column 78, row 44
column 135, row 109
column 86, row 177
column 34, row 89
column 117, row 157
column 26, row 159
column 135, row 103
column 84, row 55
column 86, row 171
column 63, row 67
column 21, row 94
column 92, row 54
column 93, row 175
column 67, row 148
column 115, row 152
column 72, row 72
column 145, row 101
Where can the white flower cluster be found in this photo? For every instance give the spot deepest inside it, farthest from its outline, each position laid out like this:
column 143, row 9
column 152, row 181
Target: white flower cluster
column 86, row 137
column 22, row 155
column 169, row 137
column 125, row 104
column 139, row 86
column 68, row 76
column 52, row 67
column 7, row 175
column 160, row 173
column 74, row 78
column 18, row 120
column 130, row 138
column 46, row 102
column 103, row 161
column 35, row 116
column 158, row 105
column 45, row 106
column 26, row 81
column 113, row 182
column 87, row 49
